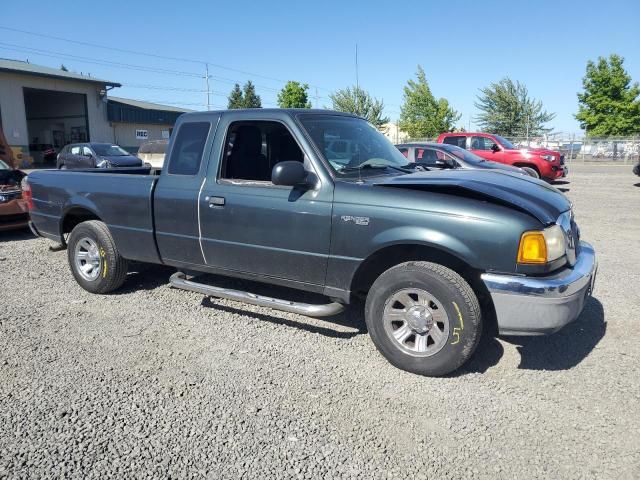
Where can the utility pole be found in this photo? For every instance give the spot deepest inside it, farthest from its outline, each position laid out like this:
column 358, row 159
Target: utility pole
column 317, row 101
column 206, row 68
column 527, row 130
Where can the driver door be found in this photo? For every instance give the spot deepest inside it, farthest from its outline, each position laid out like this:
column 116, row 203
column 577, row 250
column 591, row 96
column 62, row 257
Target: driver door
column 486, row 148
column 248, row 224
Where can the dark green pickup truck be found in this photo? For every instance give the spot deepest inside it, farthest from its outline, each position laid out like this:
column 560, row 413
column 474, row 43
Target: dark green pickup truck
column 320, row 201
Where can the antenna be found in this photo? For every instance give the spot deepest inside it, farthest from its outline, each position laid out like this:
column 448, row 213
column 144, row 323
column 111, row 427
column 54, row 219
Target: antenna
column 357, row 84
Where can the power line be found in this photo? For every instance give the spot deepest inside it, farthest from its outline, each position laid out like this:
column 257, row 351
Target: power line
column 152, row 55
column 50, row 53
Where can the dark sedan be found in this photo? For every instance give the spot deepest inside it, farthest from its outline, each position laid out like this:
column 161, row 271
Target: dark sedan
column 443, row 156
column 96, row 155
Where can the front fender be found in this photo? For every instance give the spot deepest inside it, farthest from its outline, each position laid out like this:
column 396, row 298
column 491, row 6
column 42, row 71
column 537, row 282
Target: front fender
column 417, row 235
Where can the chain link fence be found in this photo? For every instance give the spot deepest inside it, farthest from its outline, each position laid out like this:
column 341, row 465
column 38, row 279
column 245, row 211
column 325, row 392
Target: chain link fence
column 625, row 150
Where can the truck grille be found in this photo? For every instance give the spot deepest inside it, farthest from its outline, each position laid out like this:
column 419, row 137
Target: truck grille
column 571, row 235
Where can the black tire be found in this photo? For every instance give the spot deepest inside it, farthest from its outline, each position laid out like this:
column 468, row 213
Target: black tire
column 454, row 295
column 111, row 268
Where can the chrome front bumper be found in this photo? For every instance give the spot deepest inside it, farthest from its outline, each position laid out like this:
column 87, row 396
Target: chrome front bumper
column 541, row 305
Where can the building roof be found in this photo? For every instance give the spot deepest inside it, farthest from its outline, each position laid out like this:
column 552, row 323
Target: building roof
column 27, row 68
column 147, row 105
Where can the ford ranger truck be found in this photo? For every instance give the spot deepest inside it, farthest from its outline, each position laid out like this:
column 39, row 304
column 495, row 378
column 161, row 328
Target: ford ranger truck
column 538, row 162
column 259, row 194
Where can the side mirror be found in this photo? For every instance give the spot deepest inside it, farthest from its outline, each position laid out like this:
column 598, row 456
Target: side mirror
column 289, row 173
column 495, row 148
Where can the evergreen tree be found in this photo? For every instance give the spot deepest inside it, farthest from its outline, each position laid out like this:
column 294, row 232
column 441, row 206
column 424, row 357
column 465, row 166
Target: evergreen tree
column 359, row 102
column 236, row 99
column 506, row 109
column 251, row 99
column 421, row 115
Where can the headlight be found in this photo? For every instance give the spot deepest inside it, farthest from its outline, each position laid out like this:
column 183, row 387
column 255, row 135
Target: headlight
column 103, row 164
column 548, row 158
column 538, row 247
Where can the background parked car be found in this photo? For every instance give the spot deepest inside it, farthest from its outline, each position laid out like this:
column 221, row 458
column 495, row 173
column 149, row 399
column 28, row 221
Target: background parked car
column 96, row 155
column 42, row 152
column 442, row 156
column 13, row 208
column 539, row 162
column 153, row 152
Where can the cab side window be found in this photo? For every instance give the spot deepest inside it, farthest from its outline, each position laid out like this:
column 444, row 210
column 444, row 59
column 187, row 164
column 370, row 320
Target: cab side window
column 86, row 151
column 482, row 143
column 75, row 150
column 186, row 155
column 252, row 148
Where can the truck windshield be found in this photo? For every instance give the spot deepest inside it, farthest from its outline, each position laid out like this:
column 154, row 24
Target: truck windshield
column 351, row 144
column 107, row 150
column 505, row 143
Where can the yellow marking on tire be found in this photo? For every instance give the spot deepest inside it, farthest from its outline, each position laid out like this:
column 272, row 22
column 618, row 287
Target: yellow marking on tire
column 457, row 330
column 104, row 262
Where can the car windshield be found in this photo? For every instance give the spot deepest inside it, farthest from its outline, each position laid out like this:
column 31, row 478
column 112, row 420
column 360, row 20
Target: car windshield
column 4, row 166
column 352, row 145
column 462, row 154
column 505, row 143
column 106, row 150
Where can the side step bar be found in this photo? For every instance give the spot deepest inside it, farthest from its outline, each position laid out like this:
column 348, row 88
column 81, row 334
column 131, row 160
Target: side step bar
column 179, row 280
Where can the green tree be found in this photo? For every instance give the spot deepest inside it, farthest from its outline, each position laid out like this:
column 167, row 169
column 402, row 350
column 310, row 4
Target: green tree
column 506, row 109
column 294, row 95
column 236, row 99
column 421, row 115
column 359, row 102
column 610, row 103
column 251, row 98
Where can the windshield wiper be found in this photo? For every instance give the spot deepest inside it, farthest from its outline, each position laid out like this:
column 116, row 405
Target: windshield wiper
column 376, row 167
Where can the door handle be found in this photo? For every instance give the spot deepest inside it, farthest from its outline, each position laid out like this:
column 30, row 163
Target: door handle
column 215, row 201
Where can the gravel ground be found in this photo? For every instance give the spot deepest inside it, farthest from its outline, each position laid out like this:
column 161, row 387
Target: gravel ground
column 156, row 382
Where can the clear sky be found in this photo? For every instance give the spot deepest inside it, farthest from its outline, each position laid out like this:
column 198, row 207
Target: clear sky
column 462, row 45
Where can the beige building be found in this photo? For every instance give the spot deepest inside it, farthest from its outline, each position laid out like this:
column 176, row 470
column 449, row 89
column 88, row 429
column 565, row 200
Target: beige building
column 393, row 133
column 43, row 109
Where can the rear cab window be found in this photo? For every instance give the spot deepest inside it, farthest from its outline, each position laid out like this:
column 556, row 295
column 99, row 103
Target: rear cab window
column 457, row 140
column 186, row 154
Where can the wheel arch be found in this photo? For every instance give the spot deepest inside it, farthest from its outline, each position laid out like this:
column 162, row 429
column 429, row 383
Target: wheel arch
column 74, row 215
column 388, row 256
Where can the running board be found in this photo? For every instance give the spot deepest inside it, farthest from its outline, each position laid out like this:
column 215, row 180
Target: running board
column 179, row 280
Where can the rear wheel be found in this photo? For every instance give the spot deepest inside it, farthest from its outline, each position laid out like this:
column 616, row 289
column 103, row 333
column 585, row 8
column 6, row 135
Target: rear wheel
column 94, row 259
column 424, row 318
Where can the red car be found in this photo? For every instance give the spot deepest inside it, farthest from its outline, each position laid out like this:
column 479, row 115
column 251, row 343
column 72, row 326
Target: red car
column 13, row 208
column 539, row 162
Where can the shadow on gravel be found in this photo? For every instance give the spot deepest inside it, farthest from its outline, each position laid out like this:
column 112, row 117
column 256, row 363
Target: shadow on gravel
column 16, row 235
column 636, row 184
column 145, row 276
column 561, row 351
column 345, row 319
column 568, row 347
column 561, row 182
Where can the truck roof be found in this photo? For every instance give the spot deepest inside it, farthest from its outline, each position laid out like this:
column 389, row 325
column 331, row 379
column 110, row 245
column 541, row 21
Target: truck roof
column 267, row 111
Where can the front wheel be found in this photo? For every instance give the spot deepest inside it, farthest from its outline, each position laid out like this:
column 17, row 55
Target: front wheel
column 532, row 172
column 424, row 318
column 94, row 259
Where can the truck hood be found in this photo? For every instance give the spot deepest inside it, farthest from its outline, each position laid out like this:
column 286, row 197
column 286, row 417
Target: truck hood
column 528, row 194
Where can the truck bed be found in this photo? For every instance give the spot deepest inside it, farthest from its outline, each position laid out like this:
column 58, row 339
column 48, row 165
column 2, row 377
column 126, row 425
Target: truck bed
column 121, row 197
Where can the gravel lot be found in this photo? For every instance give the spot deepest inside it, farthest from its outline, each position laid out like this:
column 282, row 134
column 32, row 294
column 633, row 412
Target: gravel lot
column 156, row 382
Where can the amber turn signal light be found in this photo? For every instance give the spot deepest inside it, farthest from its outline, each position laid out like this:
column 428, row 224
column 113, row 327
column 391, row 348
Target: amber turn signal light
column 533, row 248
